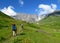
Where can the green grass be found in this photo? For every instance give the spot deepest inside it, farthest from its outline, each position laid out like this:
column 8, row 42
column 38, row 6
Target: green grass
column 47, row 31
column 6, row 26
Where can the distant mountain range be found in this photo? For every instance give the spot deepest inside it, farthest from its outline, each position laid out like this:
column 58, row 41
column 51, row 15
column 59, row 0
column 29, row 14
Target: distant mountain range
column 33, row 17
column 55, row 13
column 26, row 17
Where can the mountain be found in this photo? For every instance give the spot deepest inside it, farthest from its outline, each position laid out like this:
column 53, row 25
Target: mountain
column 6, row 19
column 33, row 17
column 5, row 26
column 55, row 13
column 52, row 20
column 26, row 17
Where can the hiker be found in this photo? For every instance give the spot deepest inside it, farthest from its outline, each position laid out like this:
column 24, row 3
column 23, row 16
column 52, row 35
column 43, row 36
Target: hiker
column 22, row 28
column 14, row 29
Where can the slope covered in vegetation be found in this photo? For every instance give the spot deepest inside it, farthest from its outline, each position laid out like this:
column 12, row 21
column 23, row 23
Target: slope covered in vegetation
column 6, row 26
column 47, row 31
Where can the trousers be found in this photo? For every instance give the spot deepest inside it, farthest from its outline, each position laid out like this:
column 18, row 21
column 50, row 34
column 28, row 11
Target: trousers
column 14, row 33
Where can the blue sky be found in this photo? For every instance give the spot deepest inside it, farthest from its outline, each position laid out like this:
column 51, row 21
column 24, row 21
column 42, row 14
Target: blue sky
column 27, row 6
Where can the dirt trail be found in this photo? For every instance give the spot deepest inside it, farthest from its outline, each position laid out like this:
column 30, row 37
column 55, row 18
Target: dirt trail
column 47, row 33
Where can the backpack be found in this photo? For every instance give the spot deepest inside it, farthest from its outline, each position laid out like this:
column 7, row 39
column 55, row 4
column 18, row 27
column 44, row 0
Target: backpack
column 14, row 28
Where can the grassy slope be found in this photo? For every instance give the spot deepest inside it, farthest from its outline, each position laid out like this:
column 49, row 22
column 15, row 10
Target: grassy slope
column 48, row 31
column 5, row 26
column 52, row 26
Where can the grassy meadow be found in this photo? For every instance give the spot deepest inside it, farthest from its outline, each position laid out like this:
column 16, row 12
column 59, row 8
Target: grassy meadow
column 47, row 31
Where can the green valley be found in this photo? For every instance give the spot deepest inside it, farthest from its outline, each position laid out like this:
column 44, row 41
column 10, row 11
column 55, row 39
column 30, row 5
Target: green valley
column 47, row 31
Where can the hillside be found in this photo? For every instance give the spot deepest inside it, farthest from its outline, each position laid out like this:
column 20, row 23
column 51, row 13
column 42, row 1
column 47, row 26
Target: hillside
column 51, row 25
column 47, row 31
column 5, row 26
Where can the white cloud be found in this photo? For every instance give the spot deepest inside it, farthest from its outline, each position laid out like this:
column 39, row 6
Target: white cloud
column 54, row 6
column 59, row 0
column 9, row 11
column 21, row 2
column 45, row 9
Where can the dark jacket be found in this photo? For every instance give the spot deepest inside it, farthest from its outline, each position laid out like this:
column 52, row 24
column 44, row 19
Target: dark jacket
column 14, row 28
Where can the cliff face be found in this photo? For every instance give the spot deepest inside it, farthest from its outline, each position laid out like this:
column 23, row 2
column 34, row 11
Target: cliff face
column 26, row 17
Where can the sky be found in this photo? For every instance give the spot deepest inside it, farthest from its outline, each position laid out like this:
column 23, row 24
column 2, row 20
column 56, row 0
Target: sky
column 39, row 7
